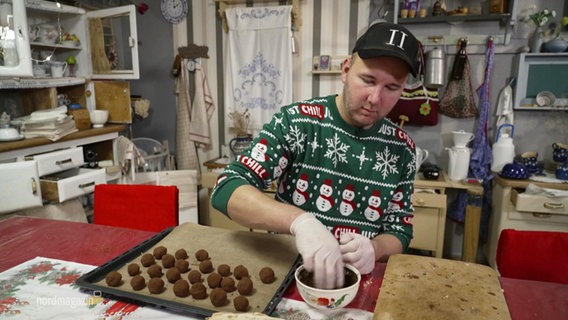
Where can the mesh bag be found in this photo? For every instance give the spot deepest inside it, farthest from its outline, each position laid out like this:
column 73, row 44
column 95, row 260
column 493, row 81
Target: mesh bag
column 458, row 100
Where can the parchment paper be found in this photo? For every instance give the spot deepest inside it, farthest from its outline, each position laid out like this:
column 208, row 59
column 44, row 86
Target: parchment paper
column 417, row 287
column 251, row 249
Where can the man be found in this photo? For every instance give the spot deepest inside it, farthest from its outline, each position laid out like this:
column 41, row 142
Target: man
column 340, row 165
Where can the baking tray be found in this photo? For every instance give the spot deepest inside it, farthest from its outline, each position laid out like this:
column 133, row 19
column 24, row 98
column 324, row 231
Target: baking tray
column 94, row 283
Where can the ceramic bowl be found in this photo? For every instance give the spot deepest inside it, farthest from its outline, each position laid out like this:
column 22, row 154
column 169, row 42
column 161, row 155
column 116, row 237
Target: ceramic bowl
column 514, row 171
column 322, row 299
column 545, row 99
column 98, row 118
column 9, row 133
column 555, row 45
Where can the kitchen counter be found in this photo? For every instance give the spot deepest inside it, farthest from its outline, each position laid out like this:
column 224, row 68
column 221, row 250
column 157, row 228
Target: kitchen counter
column 24, row 238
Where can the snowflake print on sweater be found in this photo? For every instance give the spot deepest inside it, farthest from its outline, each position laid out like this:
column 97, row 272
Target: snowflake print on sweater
column 351, row 179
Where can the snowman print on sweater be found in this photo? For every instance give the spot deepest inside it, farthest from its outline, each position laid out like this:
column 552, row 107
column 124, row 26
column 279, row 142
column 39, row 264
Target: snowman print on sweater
column 300, row 196
column 396, row 203
column 373, row 212
column 258, row 153
column 325, row 202
column 347, row 206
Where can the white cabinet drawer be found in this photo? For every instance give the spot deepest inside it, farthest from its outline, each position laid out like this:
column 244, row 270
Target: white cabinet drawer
column 57, row 161
column 429, row 200
column 539, row 203
column 71, row 183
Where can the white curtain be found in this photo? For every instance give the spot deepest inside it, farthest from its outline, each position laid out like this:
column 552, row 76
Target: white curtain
column 259, row 68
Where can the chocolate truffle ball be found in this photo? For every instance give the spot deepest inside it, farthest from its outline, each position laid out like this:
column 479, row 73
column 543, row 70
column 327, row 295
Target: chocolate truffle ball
column 147, row 260
column 138, row 282
column 240, row 272
column 181, row 254
column 168, row 260
column 194, row 276
column 198, row 291
column 214, row 280
column 267, row 275
column 160, row 251
column 224, row 270
column 182, row 266
column 201, row 255
column 113, row 279
column 156, row 285
column 245, row 286
column 206, row 266
column 218, row 297
column 133, row 269
column 181, row 288
column 228, row 284
column 173, row 275
column 241, row 303
column 155, row 271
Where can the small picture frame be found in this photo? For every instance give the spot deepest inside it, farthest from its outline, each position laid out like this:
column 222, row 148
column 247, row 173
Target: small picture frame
column 324, row 62
column 336, row 63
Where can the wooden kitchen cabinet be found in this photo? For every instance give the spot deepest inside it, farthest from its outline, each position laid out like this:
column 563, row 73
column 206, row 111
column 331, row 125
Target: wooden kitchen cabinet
column 511, row 209
column 107, row 47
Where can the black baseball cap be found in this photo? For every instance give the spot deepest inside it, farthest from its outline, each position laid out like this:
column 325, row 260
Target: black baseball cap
column 388, row 39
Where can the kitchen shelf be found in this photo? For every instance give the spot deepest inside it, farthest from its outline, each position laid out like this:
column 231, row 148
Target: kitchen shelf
column 503, row 18
column 34, row 83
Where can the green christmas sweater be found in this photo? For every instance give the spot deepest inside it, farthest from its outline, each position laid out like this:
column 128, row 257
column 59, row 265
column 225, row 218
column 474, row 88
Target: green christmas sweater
column 351, row 179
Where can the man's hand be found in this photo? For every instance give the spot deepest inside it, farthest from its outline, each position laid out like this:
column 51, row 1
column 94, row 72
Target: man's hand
column 319, row 250
column 358, row 251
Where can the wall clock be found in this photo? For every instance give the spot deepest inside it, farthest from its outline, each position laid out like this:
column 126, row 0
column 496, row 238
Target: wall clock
column 174, row 11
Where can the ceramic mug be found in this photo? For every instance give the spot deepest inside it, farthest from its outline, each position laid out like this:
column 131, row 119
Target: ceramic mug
column 57, row 68
column 562, row 172
column 530, row 160
column 560, row 152
column 421, row 156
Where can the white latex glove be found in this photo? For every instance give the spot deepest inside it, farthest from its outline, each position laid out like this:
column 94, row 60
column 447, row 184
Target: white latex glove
column 319, row 250
column 358, row 251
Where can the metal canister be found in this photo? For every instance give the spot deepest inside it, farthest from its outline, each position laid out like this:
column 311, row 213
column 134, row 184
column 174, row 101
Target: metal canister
column 434, row 72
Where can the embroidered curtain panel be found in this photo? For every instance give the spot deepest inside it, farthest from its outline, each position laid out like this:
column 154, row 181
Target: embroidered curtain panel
column 259, row 64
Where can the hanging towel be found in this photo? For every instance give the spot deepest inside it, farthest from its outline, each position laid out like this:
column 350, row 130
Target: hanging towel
column 186, row 154
column 201, row 111
column 129, row 158
column 259, row 62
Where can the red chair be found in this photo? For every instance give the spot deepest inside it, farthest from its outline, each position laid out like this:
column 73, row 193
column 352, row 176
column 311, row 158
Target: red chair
column 533, row 255
column 142, row 207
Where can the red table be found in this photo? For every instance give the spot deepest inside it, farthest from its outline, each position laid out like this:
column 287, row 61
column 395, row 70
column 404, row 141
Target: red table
column 24, row 238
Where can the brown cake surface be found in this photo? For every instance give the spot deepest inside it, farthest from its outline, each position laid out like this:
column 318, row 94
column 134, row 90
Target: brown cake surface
column 138, row 282
column 156, row 285
column 113, row 279
column 160, row 251
column 181, row 288
column 218, row 297
column 241, row 303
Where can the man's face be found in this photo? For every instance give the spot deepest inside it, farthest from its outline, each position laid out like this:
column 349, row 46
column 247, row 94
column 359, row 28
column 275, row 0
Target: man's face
column 371, row 88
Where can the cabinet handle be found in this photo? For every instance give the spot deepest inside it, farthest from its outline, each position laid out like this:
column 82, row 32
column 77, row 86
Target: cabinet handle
column 541, row 215
column 60, row 162
column 550, row 205
column 420, row 202
column 88, row 184
column 34, row 186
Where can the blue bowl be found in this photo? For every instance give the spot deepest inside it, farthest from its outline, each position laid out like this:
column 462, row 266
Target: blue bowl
column 514, row 170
